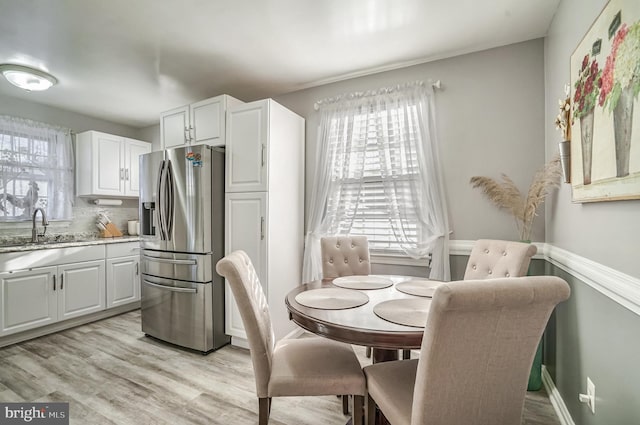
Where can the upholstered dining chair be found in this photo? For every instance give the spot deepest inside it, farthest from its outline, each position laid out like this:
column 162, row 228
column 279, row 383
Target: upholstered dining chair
column 345, row 256
column 478, row 345
column 290, row 367
column 495, row 258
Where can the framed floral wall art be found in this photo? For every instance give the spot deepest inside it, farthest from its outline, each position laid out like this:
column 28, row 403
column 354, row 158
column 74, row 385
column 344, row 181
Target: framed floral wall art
column 605, row 84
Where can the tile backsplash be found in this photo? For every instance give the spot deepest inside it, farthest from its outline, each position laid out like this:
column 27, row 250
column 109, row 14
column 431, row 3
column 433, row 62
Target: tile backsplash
column 83, row 222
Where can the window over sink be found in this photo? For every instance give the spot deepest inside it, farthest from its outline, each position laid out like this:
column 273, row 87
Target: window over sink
column 36, row 170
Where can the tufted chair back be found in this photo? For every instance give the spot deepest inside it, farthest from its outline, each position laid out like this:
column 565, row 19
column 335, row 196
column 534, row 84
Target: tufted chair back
column 247, row 291
column 345, row 256
column 491, row 259
column 479, row 342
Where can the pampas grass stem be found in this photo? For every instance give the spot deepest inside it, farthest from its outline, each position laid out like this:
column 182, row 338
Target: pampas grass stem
column 506, row 196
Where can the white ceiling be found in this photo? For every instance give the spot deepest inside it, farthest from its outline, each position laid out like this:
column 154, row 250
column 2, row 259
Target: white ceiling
column 128, row 60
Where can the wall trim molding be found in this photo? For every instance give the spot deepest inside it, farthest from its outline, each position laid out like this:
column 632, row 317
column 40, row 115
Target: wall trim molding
column 618, row 286
column 556, row 399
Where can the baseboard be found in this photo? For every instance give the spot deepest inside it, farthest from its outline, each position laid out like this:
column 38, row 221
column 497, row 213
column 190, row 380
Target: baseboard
column 556, row 399
column 67, row 324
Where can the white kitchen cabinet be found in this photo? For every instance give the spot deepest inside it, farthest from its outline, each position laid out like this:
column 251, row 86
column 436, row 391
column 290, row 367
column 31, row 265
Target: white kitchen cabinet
column 123, row 274
column 40, row 296
column 107, row 165
column 245, row 217
column 28, row 299
column 265, row 204
column 80, row 289
column 203, row 122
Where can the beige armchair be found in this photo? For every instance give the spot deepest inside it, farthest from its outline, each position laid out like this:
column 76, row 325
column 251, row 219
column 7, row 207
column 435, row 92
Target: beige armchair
column 479, row 342
column 345, row 256
column 291, row 367
column 495, row 258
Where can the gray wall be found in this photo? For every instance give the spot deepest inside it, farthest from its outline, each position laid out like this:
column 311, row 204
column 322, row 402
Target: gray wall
column 490, row 116
column 595, row 336
column 84, row 212
column 575, row 227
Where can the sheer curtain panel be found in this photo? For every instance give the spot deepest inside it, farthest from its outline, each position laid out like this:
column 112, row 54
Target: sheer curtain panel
column 36, row 170
column 378, row 175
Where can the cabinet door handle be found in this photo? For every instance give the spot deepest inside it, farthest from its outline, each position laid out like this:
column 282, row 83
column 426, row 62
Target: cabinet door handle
column 262, row 154
column 187, row 134
column 137, row 269
column 61, row 281
column 126, row 174
column 261, row 228
column 54, row 282
column 191, row 133
column 122, row 174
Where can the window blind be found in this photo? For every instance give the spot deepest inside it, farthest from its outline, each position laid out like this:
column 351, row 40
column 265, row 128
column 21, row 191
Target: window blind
column 371, row 158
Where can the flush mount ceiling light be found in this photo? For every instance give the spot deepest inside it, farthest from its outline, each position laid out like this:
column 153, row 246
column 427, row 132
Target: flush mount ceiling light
column 27, row 78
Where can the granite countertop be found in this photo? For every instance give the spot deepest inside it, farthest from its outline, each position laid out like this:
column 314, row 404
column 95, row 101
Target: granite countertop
column 18, row 244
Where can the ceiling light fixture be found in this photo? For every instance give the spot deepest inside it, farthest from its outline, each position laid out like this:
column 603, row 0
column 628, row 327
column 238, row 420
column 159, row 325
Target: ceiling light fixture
column 26, row 78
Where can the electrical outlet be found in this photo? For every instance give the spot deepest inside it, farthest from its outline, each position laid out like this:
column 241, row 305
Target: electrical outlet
column 591, row 393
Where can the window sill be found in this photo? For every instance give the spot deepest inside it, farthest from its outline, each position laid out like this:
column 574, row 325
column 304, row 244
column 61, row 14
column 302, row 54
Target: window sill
column 398, row 260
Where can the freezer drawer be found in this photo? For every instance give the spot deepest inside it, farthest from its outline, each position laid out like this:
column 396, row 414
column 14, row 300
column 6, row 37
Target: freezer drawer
column 183, row 313
column 173, row 265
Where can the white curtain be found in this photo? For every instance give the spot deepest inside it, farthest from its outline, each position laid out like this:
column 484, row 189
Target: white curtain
column 36, row 169
column 381, row 141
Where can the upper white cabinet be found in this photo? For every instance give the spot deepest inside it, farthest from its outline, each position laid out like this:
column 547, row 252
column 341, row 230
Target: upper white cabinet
column 199, row 123
column 248, row 134
column 107, row 165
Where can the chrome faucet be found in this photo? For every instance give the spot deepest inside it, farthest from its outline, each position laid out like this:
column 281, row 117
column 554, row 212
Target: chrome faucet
column 45, row 223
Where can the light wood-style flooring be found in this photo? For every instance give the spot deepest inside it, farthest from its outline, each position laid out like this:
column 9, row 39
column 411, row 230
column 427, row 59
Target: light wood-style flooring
column 111, row 373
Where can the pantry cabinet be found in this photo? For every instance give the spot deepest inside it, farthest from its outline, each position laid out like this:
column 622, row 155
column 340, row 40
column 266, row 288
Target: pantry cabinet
column 265, row 204
column 203, row 122
column 108, row 165
column 245, row 216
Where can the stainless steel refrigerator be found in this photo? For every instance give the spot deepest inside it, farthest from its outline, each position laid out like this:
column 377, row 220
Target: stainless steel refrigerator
column 182, row 238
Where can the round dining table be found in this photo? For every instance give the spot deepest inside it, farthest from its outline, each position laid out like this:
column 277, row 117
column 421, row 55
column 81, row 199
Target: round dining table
column 359, row 325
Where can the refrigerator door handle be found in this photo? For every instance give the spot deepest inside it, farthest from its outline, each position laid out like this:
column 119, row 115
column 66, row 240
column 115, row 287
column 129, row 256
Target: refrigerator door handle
column 171, row 199
column 159, row 201
column 171, row 261
column 171, row 288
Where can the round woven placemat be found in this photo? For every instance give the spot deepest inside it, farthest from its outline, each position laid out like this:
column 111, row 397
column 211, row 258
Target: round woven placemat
column 362, row 282
column 408, row 312
column 332, row 298
column 419, row 287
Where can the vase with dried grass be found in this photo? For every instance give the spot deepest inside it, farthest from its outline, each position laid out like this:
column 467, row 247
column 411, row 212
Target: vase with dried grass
column 506, row 196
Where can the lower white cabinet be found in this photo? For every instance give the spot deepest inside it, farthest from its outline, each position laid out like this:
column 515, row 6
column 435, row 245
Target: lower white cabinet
column 123, row 280
column 123, row 273
column 42, row 287
column 28, row 299
column 246, row 224
column 80, row 289
column 40, row 296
